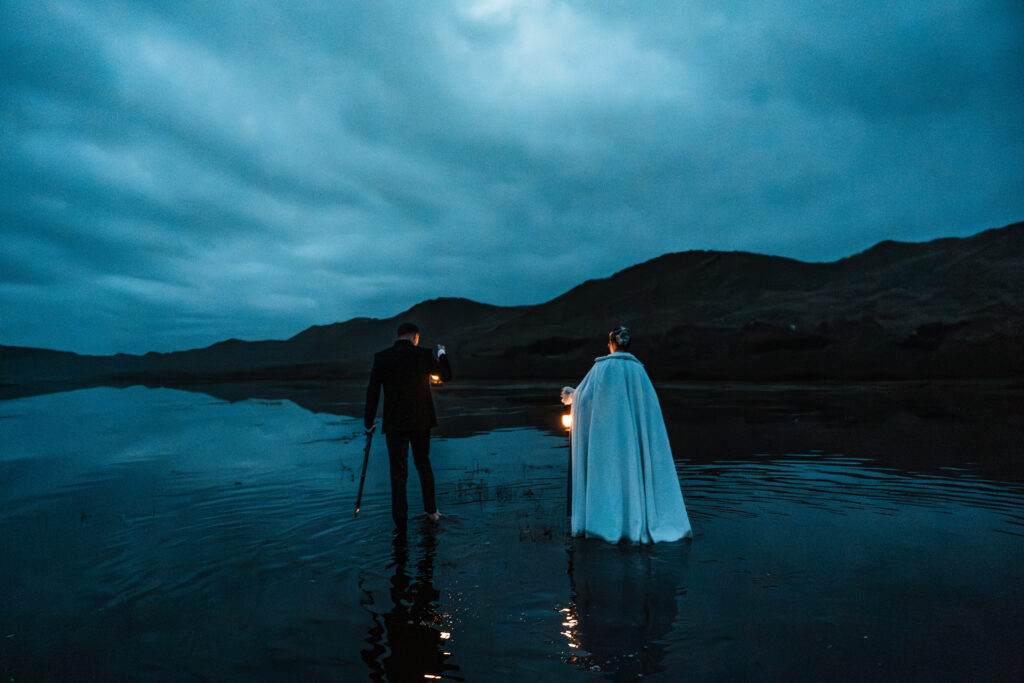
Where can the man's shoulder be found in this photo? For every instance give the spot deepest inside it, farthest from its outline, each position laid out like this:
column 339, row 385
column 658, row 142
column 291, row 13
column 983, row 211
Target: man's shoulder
column 404, row 350
column 384, row 355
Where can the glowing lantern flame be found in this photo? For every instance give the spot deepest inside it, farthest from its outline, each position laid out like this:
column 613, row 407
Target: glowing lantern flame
column 567, row 420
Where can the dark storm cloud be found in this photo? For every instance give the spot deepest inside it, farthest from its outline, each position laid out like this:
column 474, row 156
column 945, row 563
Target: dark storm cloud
column 176, row 175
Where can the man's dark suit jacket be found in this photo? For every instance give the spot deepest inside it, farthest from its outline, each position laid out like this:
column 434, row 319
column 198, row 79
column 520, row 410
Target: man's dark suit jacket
column 404, row 372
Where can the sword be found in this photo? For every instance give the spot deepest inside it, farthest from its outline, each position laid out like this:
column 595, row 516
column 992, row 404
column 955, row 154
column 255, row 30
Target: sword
column 362, row 477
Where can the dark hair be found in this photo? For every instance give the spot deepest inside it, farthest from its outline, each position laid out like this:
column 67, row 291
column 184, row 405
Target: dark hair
column 620, row 338
column 407, row 328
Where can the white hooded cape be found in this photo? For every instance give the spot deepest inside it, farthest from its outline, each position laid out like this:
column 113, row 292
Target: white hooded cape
column 624, row 481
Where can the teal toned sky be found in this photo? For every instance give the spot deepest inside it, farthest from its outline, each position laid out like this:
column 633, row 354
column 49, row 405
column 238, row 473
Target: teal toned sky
column 175, row 174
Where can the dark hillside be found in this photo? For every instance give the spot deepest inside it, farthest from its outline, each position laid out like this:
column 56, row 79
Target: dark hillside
column 949, row 308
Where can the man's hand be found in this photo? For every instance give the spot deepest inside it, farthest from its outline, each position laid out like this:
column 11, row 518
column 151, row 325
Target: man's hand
column 371, row 428
column 441, row 350
column 567, row 393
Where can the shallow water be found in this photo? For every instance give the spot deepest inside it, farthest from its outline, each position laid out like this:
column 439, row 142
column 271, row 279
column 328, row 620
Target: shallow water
column 841, row 533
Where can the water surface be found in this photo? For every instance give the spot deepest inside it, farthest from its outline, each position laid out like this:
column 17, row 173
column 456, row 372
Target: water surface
column 841, row 533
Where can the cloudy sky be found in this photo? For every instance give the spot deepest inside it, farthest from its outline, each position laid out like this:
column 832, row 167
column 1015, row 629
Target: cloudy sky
column 178, row 173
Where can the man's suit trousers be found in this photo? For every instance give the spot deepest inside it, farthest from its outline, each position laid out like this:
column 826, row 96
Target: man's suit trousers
column 398, row 457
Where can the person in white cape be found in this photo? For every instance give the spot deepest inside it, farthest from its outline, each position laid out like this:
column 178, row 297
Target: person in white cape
column 624, row 481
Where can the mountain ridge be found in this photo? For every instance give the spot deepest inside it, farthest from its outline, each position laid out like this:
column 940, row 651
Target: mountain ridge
column 946, row 308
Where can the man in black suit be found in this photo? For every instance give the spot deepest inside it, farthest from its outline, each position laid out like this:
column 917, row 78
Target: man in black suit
column 404, row 372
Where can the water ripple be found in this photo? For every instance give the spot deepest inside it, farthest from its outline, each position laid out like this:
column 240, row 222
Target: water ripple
column 839, row 485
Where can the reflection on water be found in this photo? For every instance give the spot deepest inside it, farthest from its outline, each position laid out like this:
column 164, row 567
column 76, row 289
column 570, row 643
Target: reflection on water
column 409, row 642
column 623, row 605
column 841, row 533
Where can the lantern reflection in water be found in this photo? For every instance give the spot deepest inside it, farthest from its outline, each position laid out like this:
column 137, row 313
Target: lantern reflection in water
column 570, row 623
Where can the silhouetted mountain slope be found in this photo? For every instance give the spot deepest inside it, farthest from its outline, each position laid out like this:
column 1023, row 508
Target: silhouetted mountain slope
column 951, row 307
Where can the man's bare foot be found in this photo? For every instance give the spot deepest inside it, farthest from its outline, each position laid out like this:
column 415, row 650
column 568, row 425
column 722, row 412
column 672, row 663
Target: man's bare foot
column 433, row 516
